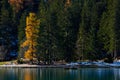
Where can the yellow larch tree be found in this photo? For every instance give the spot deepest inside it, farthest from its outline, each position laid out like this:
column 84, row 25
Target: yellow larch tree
column 32, row 32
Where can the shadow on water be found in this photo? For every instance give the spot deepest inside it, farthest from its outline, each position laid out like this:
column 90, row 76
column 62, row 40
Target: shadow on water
column 59, row 74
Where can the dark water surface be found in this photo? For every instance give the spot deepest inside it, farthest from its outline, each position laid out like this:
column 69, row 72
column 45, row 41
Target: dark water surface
column 59, row 74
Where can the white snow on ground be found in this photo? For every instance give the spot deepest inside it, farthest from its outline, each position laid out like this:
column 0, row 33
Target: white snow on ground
column 97, row 63
column 116, row 63
column 72, row 64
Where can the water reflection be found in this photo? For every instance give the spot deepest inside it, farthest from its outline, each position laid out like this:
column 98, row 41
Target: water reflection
column 117, row 74
column 27, row 75
column 59, row 74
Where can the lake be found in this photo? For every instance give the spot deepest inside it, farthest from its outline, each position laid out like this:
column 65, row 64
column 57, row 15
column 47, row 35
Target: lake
column 59, row 74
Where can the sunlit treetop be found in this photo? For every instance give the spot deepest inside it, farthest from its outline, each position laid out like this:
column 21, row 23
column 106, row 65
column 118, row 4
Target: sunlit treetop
column 16, row 4
column 68, row 3
column 19, row 4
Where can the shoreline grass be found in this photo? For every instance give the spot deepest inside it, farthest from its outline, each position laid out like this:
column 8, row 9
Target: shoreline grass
column 7, row 62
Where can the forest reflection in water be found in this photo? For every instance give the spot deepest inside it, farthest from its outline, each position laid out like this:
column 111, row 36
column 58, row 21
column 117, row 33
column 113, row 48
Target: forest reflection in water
column 59, row 74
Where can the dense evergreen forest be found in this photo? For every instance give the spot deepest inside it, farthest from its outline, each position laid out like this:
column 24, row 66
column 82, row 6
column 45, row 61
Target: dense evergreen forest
column 67, row 30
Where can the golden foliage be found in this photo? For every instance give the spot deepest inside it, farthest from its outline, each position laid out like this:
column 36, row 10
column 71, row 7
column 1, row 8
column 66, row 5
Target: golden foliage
column 27, row 75
column 31, row 31
column 25, row 43
column 68, row 3
column 17, row 4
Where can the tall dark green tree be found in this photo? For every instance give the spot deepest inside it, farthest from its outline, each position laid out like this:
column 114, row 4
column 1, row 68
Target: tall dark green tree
column 83, row 36
column 88, row 44
column 21, row 33
column 107, row 29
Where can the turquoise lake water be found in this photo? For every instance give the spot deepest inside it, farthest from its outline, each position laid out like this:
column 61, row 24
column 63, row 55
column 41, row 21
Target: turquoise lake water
column 59, row 74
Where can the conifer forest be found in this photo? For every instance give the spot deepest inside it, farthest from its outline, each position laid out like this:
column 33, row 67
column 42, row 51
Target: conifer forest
column 53, row 30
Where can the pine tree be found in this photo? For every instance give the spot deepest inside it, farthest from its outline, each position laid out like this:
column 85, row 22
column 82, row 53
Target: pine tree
column 83, row 36
column 107, row 31
column 94, row 21
column 49, row 36
column 21, row 33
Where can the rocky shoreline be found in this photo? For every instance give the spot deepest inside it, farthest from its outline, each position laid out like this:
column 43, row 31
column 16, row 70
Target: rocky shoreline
column 57, row 66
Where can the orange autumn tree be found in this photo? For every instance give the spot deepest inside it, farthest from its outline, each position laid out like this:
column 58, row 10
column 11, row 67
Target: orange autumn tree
column 31, row 31
column 68, row 3
column 16, row 4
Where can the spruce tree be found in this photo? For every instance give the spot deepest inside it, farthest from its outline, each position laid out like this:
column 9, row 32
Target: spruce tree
column 21, row 33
